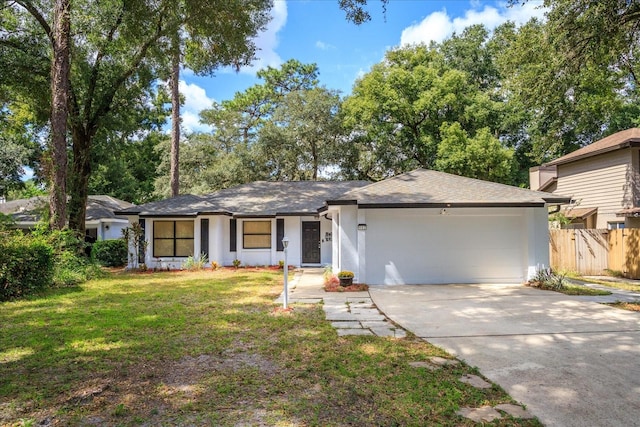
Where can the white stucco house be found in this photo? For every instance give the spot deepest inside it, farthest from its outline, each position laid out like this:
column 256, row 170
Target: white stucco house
column 420, row 227
column 101, row 221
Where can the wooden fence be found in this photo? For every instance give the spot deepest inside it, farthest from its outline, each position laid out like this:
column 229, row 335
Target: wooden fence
column 591, row 252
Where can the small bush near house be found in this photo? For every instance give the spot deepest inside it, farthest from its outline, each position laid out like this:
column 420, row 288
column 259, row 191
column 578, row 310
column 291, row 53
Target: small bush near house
column 71, row 268
column 110, row 253
column 547, row 279
column 71, row 265
column 195, row 263
column 27, row 266
column 327, row 274
column 237, row 263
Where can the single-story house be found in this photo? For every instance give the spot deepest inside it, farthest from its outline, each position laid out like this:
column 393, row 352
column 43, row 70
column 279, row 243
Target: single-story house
column 416, row 228
column 101, row 221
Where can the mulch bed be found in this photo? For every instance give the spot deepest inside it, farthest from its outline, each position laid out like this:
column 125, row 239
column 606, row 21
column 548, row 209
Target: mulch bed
column 333, row 287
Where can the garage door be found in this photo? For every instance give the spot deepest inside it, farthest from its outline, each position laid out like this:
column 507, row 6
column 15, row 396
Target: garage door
column 422, row 246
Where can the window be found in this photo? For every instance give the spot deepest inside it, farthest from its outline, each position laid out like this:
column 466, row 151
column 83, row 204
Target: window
column 256, row 234
column 172, row 238
column 615, row 225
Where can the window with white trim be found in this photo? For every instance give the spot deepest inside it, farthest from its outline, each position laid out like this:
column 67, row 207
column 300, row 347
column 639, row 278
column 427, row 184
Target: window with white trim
column 256, row 234
column 172, row 239
column 615, row 225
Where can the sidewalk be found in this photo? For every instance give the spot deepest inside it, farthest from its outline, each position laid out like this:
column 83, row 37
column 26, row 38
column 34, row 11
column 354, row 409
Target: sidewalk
column 617, row 295
column 351, row 313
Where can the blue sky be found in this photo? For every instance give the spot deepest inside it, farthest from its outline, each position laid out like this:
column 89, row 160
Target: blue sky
column 315, row 31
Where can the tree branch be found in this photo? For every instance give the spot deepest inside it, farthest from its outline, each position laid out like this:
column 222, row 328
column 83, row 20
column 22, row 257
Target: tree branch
column 95, row 72
column 105, row 104
column 33, row 11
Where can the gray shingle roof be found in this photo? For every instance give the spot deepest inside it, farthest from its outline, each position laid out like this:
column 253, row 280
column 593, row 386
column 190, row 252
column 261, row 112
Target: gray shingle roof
column 30, row 210
column 186, row 204
column 260, row 198
column 423, row 187
column 616, row 141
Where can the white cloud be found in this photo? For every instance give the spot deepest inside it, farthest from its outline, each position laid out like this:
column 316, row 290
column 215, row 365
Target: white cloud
column 324, row 46
column 195, row 100
column 191, row 122
column 439, row 25
column 267, row 41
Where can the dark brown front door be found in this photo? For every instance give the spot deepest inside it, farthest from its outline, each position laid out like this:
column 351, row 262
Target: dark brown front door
column 311, row 242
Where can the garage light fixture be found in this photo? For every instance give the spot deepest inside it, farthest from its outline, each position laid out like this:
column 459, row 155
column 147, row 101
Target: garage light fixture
column 362, row 227
column 443, row 211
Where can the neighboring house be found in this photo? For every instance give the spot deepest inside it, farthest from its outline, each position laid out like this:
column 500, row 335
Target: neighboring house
column 419, row 227
column 602, row 179
column 101, row 222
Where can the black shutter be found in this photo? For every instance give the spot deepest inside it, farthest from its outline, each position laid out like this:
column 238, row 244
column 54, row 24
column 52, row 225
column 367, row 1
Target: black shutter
column 204, row 237
column 279, row 234
column 233, row 234
column 141, row 244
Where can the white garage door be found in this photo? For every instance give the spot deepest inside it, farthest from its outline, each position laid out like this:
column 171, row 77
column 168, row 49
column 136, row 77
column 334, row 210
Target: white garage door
column 421, row 246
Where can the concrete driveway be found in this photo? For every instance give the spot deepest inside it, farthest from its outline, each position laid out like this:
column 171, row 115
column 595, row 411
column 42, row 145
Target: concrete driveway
column 571, row 361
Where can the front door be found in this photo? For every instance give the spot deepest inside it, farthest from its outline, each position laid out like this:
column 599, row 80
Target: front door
column 311, row 242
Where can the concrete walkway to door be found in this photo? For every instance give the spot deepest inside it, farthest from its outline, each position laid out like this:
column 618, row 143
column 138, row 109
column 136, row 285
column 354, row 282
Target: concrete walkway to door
column 571, row 362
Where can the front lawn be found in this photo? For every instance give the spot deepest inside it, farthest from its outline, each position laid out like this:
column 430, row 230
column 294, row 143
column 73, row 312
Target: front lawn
column 207, row 348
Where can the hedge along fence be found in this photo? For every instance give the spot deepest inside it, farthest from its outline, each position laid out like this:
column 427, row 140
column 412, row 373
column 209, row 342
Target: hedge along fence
column 110, row 253
column 26, row 266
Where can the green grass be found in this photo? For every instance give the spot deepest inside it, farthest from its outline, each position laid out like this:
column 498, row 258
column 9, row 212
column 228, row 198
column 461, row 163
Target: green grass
column 207, row 348
column 582, row 290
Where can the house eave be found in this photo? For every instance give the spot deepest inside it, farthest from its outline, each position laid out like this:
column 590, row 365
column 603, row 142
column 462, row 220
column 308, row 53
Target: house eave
column 630, row 143
column 441, row 205
column 547, row 184
column 167, row 215
column 341, row 202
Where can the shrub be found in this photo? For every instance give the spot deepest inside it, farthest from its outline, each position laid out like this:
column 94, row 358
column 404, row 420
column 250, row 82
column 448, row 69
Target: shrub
column 237, row 263
column 547, row 279
column 110, row 253
column 214, row 265
column 327, row 274
column 72, row 269
column 71, row 265
column 281, row 264
column 27, row 266
column 196, row 263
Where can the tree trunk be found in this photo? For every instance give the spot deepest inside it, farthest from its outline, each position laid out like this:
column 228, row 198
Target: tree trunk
column 60, row 87
column 314, row 156
column 175, row 117
column 79, row 180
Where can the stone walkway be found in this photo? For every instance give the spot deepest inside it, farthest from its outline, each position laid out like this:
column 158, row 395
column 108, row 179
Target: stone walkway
column 354, row 313
column 351, row 313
